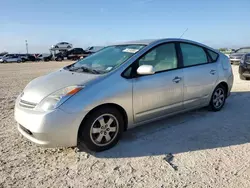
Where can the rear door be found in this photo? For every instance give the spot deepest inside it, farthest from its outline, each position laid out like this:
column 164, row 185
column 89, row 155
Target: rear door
column 200, row 74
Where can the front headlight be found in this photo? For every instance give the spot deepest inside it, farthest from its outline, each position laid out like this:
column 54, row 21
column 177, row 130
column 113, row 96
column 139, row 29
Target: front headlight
column 57, row 98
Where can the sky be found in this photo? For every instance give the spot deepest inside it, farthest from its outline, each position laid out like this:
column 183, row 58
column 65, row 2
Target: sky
column 217, row 23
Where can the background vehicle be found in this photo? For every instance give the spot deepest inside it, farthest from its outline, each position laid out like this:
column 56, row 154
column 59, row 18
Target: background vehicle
column 44, row 57
column 77, row 53
column 3, row 54
column 27, row 57
column 244, row 68
column 236, row 56
column 60, row 56
column 120, row 87
column 11, row 58
column 63, row 45
column 93, row 49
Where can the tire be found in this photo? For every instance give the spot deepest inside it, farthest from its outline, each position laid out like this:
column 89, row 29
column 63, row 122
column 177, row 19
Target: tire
column 96, row 129
column 68, row 46
column 242, row 77
column 218, row 99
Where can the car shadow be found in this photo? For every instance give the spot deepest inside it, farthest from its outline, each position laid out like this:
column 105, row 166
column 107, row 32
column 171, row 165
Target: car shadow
column 196, row 130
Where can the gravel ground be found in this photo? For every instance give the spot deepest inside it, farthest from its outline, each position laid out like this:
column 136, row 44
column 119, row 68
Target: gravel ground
column 209, row 149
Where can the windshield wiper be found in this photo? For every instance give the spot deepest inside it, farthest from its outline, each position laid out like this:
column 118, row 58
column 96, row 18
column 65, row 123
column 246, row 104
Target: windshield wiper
column 84, row 69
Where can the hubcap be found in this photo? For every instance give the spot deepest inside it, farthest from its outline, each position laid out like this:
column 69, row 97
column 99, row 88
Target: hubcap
column 104, row 130
column 218, row 98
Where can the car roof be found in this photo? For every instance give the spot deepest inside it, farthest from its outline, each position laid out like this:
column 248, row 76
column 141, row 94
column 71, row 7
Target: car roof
column 153, row 41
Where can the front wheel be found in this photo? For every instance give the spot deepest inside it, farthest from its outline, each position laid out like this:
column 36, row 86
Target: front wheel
column 218, row 98
column 101, row 130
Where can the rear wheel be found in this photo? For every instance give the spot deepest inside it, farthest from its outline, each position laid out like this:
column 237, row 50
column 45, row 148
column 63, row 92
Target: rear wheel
column 218, row 98
column 101, row 130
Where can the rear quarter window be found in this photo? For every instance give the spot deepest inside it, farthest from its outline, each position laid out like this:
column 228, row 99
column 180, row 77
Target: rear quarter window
column 213, row 55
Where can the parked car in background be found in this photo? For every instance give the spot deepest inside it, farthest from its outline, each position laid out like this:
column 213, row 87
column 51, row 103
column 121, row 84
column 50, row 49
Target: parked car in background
column 61, row 56
column 63, row 45
column 93, row 101
column 236, row 56
column 11, row 58
column 27, row 57
column 44, row 57
column 3, row 54
column 244, row 68
column 93, row 49
column 77, row 53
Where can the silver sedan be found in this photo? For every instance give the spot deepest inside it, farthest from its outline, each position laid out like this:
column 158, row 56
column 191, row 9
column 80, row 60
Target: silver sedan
column 94, row 100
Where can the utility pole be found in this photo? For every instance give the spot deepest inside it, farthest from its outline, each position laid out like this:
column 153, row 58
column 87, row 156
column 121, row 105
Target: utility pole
column 27, row 47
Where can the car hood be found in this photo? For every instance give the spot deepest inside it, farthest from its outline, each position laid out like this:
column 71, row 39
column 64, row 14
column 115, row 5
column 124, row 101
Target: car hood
column 43, row 86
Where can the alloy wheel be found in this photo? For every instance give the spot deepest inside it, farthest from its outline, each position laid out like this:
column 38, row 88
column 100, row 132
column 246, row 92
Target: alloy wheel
column 104, row 130
column 218, row 98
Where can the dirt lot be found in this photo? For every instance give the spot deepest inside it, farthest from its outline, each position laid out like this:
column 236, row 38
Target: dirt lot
column 210, row 149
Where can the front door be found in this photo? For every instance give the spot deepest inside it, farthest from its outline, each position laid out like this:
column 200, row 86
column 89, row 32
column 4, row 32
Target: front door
column 161, row 93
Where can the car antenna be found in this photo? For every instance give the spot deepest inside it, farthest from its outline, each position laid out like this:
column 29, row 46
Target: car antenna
column 183, row 33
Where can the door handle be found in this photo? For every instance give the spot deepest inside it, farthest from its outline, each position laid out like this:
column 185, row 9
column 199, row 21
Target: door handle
column 212, row 72
column 177, row 79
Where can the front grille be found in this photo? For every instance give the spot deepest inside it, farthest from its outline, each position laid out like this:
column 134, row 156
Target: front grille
column 25, row 130
column 27, row 104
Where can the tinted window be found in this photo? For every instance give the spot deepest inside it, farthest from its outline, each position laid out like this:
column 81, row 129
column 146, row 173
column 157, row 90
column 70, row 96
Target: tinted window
column 193, row 55
column 162, row 57
column 213, row 55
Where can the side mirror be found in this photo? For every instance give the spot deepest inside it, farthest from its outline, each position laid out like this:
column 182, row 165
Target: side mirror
column 145, row 70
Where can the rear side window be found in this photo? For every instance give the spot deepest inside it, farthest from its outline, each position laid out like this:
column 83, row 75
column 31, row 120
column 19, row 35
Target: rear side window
column 213, row 55
column 193, row 55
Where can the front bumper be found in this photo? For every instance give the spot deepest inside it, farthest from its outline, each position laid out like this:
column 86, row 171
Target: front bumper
column 49, row 129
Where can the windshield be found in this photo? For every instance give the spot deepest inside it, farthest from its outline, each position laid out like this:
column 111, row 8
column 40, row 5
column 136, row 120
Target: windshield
column 108, row 58
column 243, row 50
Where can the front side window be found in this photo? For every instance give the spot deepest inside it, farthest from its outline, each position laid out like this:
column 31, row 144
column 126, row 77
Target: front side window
column 193, row 55
column 162, row 57
column 108, row 58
